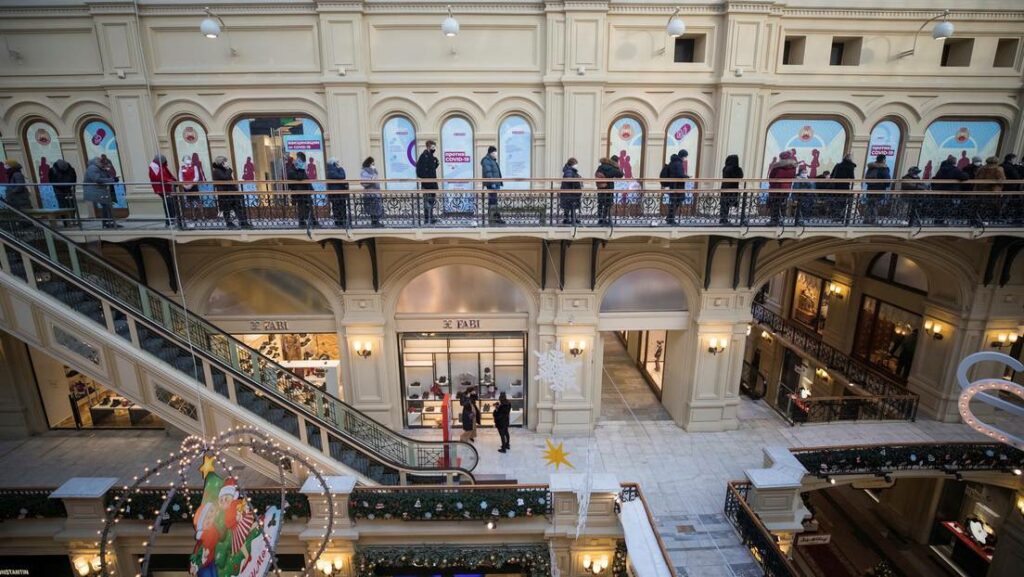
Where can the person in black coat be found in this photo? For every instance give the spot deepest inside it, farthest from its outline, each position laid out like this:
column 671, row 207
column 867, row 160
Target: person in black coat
column 570, row 201
column 845, row 169
column 1015, row 204
column 303, row 202
column 228, row 203
column 426, row 168
column 501, row 418
column 63, row 178
column 339, row 202
column 676, row 171
column 608, row 169
column 731, row 169
column 16, row 194
column 947, row 171
column 470, row 416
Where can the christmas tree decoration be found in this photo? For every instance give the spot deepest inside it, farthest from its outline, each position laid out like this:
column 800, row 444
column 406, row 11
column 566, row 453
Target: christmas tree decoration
column 557, row 456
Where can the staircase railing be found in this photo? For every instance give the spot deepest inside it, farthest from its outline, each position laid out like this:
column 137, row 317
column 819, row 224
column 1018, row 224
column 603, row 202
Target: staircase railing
column 54, row 264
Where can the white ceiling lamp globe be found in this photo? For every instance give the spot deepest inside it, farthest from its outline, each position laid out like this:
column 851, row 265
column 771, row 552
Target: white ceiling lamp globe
column 942, row 30
column 676, row 27
column 210, row 28
column 450, row 27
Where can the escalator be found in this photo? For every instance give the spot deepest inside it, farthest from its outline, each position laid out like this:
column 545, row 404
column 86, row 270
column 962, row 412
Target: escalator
column 95, row 314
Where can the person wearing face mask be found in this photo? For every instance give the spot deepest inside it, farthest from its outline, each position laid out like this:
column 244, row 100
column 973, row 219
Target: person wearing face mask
column 426, row 170
column 339, row 202
column 229, row 202
column 570, row 201
column 372, row 201
column 490, row 167
column 302, row 201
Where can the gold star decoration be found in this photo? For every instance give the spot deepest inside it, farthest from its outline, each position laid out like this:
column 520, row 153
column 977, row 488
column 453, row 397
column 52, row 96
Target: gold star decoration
column 207, row 467
column 557, row 456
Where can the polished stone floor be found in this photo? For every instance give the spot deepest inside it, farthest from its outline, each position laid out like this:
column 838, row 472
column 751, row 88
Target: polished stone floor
column 625, row 394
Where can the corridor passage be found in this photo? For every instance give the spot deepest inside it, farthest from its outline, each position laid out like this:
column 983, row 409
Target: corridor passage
column 625, row 395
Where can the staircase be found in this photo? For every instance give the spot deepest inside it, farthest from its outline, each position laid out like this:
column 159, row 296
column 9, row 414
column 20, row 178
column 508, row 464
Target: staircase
column 70, row 302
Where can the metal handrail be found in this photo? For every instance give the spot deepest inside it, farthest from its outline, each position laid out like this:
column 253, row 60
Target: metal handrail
column 192, row 322
column 769, row 556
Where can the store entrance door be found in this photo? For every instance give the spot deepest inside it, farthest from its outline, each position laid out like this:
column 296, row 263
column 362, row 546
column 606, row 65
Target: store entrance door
column 632, row 376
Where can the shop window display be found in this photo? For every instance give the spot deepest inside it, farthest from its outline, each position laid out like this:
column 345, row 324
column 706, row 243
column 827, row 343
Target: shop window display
column 94, row 406
column 262, row 145
column 810, row 303
column 435, row 365
column 653, row 352
column 312, row 356
column 886, row 336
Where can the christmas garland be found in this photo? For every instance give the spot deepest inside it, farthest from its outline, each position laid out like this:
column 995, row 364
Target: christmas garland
column 144, row 505
column 619, row 565
column 30, row 504
column 531, row 560
column 449, row 504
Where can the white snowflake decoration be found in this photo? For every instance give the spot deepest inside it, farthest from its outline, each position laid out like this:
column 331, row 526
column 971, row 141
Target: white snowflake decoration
column 558, row 372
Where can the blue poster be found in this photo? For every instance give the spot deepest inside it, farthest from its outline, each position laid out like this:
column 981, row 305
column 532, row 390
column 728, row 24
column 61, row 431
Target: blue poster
column 100, row 142
column 43, row 151
column 961, row 139
column 818, row 144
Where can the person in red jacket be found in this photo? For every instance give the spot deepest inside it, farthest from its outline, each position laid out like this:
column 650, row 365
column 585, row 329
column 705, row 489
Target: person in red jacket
column 783, row 170
column 163, row 185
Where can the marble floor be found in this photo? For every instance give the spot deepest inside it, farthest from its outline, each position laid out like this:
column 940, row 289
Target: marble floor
column 625, row 394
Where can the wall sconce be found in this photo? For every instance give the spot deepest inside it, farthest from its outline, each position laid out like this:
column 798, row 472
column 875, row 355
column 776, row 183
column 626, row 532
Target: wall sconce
column 835, row 290
column 1020, row 504
column 767, row 336
column 363, row 349
column 330, row 568
column 595, row 566
column 716, row 345
column 1004, row 339
column 823, row 374
column 933, row 329
column 576, row 347
column 805, row 392
column 87, row 566
column 749, row 327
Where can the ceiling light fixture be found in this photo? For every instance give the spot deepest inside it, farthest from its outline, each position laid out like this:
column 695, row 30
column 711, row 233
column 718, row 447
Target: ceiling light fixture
column 940, row 31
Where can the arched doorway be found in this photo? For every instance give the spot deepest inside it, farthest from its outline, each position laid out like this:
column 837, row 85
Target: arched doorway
column 644, row 315
column 454, row 342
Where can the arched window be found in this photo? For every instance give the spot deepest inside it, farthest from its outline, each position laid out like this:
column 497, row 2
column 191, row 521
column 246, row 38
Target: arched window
column 515, row 150
column 457, row 162
column 190, row 141
column 261, row 144
column 399, row 144
column 99, row 141
column 961, row 139
column 684, row 134
column 646, row 289
column 818, row 143
column 265, row 292
column 886, row 138
column 487, row 292
column 626, row 140
column 42, row 148
column 898, row 270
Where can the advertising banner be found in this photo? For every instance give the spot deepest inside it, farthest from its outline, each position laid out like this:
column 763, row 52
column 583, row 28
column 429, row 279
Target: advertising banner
column 960, row 139
column 190, row 142
column 684, row 134
column 515, row 151
column 100, row 142
column 245, row 168
column 399, row 152
column 885, row 139
column 43, row 151
column 313, row 148
column 818, row 144
column 626, row 140
column 457, row 162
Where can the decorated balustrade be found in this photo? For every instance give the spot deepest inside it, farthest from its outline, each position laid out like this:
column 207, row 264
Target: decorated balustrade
column 753, row 534
column 951, row 458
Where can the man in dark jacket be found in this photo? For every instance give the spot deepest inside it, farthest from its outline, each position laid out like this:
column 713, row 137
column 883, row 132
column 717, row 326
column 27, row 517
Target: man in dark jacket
column 501, row 421
column 229, row 203
column 426, row 169
column 877, row 170
column 676, row 171
column 1015, row 204
column 15, row 192
column 728, row 200
column 846, row 169
column 339, row 202
column 570, row 201
column 303, row 202
column 490, row 169
column 608, row 169
column 63, row 178
column 948, row 203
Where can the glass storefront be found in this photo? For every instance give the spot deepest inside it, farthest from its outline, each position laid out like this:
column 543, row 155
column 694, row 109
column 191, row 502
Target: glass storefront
column 810, row 303
column 647, row 349
column 886, row 336
column 436, row 364
column 312, row 356
column 262, row 145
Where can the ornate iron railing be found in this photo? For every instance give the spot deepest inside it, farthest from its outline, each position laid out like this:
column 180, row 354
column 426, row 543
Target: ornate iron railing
column 146, row 503
column 54, row 264
column 449, row 503
column 631, row 203
column 889, row 399
column 532, row 560
column 753, row 534
column 880, row 459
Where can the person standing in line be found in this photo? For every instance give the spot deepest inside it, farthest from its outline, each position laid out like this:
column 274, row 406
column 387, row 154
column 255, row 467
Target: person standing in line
column 339, row 202
column 911, row 182
column 469, row 416
column 15, row 192
column 373, row 204
column 63, row 177
column 877, row 170
column 490, row 169
column 804, row 200
column 949, row 203
column 162, row 181
column 608, row 169
column 570, row 201
column 782, row 170
column 303, row 202
column 733, row 172
column 991, row 204
column 426, row 171
column 1015, row 205
column 677, row 172
column 229, row 203
column 97, row 189
column 501, row 422
column 843, row 170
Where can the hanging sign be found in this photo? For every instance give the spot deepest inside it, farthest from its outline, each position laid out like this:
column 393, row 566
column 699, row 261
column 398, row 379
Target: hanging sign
column 457, row 163
column 515, row 148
